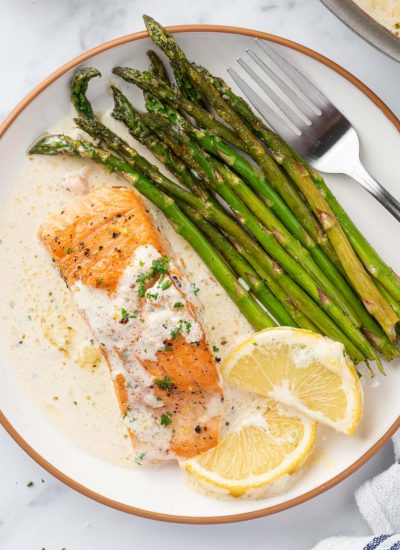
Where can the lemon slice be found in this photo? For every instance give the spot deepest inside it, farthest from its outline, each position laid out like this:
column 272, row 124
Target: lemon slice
column 302, row 369
column 257, row 458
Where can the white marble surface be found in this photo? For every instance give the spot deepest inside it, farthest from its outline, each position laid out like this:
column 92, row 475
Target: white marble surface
column 35, row 38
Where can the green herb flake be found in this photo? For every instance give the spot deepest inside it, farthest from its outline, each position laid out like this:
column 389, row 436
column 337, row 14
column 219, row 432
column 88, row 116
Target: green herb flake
column 141, row 281
column 139, row 458
column 167, row 348
column 151, row 295
column 166, row 420
column 124, row 315
column 215, row 349
column 160, row 266
column 175, row 332
column 75, row 402
column 165, row 384
column 178, row 305
column 100, row 282
column 30, row 484
column 194, row 289
column 69, row 250
column 195, row 343
column 166, row 284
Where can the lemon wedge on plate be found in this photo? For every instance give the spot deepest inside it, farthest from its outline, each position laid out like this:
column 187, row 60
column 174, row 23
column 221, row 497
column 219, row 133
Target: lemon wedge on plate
column 302, row 369
column 258, row 457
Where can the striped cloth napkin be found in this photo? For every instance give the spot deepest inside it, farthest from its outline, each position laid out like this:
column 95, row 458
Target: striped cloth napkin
column 379, row 502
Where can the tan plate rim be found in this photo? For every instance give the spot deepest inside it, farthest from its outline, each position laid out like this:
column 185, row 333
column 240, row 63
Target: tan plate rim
column 85, row 490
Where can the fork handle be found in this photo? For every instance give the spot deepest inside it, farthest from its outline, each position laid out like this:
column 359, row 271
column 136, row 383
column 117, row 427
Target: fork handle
column 360, row 174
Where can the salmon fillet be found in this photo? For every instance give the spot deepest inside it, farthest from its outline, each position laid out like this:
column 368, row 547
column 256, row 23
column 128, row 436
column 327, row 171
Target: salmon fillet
column 134, row 299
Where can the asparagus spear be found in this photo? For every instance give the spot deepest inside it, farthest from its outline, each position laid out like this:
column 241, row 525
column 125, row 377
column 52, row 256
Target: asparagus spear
column 373, row 300
column 157, row 66
column 240, row 266
column 63, row 145
column 186, row 87
column 78, row 88
column 194, row 157
column 395, row 305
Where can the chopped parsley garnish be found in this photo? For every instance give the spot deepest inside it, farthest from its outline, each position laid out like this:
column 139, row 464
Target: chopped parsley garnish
column 194, row 289
column 188, row 326
column 141, row 281
column 139, row 458
column 75, row 402
column 157, row 267
column 175, row 332
column 141, row 263
column 215, row 349
column 124, row 316
column 100, row 282
column 165, row 384
column 165, row 419
column 178, row 305
column 151, row 295
column 195, row 343
column 160, row 266
column 166, row 284
column 167, row 348
column 30, row 484
column 69, row 250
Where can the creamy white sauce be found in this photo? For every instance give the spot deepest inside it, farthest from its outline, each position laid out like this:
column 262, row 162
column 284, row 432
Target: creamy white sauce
column 55, row 357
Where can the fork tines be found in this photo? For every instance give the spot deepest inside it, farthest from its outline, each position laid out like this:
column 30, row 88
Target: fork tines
column 286, row 120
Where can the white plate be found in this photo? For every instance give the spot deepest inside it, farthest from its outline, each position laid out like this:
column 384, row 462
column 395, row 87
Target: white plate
column 161, row 493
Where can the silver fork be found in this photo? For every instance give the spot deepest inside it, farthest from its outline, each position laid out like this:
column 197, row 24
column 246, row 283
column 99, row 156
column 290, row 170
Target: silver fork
column 321, row 134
